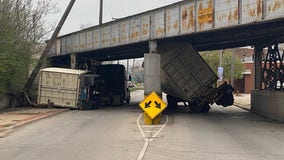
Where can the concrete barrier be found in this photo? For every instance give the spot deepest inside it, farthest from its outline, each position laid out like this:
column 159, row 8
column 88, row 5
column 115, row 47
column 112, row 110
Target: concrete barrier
column 269, row 104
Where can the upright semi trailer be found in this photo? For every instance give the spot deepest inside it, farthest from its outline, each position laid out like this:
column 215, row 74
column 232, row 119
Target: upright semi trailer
column 186, row 77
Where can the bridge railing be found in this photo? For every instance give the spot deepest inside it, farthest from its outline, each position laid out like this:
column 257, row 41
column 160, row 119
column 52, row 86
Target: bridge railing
column 182, row 18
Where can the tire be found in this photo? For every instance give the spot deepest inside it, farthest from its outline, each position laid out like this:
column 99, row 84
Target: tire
column 194, row 106
column 226, row 100
column 205, row 108
column 172, row 102
column 121, row 100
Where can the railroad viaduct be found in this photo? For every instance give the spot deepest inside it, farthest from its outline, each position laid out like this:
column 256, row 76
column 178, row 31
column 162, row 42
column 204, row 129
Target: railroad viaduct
column 207, row 25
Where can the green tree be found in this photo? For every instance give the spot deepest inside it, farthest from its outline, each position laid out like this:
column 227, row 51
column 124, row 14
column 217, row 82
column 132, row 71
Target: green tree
column 213, row 60
column 22, row 29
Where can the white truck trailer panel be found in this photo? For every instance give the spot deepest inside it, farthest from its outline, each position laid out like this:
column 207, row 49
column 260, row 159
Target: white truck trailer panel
column 59, row 86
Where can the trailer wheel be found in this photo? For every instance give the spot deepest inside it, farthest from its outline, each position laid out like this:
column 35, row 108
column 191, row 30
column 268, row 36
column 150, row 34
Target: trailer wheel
column 194, row 106
column 50, row 104
column 172, row 102
column 205, row 108
column 121, row 100
column 226, row 100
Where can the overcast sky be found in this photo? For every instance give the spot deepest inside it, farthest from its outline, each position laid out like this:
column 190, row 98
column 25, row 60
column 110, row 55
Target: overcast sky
column 86, row 12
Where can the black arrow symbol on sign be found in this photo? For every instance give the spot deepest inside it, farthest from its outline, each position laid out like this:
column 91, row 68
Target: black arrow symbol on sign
column 158, row 105
column 147, row 105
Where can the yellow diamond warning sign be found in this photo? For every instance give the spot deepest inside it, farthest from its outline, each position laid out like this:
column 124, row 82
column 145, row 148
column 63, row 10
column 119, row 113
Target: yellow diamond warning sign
column 153, row 105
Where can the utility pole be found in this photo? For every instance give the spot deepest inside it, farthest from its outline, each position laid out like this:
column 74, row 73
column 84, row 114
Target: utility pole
column 127, row 67
column 48, row 46
column 101, row 13
column 234, row 51
column 221, row 58
column 133, row 67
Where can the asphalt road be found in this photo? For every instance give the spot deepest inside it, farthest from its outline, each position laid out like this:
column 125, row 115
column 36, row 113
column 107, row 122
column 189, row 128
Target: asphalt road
column 117, row 133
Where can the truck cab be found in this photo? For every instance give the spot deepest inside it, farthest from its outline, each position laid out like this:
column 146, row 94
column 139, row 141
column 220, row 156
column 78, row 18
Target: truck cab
column 115, row 83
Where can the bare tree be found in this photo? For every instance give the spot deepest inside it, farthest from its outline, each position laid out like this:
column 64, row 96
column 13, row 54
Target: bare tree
column 22, row 29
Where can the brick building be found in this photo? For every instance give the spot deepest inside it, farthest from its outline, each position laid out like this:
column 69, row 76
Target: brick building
column 246, row 84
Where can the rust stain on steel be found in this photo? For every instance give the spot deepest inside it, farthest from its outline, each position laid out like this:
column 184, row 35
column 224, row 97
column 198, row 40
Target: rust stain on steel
column 275, row 8
column 191, row 23
column 236, row 13
column 134, row 35
column 226, row 13
column 76, row 42
column 168, row 23
column 145, row 25
column 96, row 40
column 210, row 3
column 105, row 38
column 159, row 25
column 200, row 5
column 89, row 39
column 172, row 23
column 205, row 15
column 200, row 8
column 259, row 7
column 277, row 5
column 176, row 25
column 145, row 30
column 123, row 38
column 233, row 16
column 82, row 42
column 82, row 46
column 252, row 12
column 160, row 31
column 135, row 27
column 68, row 44
column 184, row 16
column 58, row 45
column 114, row 39
column 124, row 32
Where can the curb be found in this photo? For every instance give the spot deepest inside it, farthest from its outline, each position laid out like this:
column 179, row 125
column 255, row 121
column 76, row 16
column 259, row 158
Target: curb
column 32, row 119
column 242, row 107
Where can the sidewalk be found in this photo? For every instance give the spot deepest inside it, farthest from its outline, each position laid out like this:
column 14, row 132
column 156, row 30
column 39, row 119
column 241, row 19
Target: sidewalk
column 242, row 101
column 13, row 118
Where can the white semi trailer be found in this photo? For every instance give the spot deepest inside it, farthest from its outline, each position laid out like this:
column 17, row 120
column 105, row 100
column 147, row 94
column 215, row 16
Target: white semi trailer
column 72, row 88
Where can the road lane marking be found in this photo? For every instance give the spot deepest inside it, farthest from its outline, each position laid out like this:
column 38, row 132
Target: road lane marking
column 147, row 140
column 150, row 131
column 139, row 126
column 164, row 125
column 149, row 126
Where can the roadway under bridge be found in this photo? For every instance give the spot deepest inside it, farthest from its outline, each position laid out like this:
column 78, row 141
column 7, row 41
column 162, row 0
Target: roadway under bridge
column 206, row 24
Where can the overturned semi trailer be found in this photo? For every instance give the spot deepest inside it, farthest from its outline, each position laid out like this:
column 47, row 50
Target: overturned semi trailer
column 186, row 77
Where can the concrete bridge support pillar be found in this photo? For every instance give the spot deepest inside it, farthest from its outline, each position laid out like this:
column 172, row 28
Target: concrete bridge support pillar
column 152, row 77
column 73, row 60
column 258, row 53
column 265, row 102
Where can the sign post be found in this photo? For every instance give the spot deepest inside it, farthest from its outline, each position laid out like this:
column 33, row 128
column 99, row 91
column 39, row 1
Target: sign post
column 220, row 73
